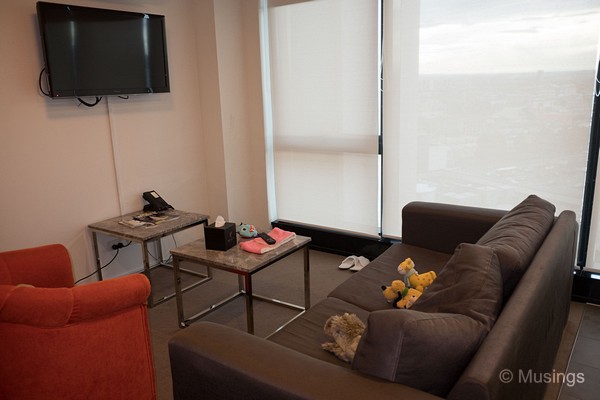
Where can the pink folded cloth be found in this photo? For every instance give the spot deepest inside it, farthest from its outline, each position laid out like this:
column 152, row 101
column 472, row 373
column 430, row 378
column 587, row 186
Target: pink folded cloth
column 259, row 246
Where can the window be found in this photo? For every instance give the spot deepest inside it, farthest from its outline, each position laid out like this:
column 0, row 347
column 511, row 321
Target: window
column 486, row 102
column 483, row 103
column 325, row 119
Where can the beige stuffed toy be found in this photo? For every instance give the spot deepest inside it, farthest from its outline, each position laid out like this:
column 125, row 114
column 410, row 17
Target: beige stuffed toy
column 346, row 331
column 412, row 278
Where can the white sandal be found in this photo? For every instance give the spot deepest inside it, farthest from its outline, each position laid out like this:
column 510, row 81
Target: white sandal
column 360, row 263
column 348, row 263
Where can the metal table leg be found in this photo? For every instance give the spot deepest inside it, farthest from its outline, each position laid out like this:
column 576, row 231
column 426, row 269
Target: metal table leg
column 97, row 254
column 249, row 307
column 159, row 252
column 178, row 296
column 306, row 279
column 146, row 262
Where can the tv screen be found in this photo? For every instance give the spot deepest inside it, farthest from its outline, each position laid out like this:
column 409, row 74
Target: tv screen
column 96, row 52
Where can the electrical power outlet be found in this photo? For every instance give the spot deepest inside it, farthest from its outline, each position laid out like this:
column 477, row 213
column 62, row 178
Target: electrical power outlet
column 116, row 244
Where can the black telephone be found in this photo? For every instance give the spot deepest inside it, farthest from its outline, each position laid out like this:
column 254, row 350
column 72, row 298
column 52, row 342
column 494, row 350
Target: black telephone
column 155, row 202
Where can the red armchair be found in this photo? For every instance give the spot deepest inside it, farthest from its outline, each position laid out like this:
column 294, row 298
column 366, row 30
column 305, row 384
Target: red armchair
column 60, row 341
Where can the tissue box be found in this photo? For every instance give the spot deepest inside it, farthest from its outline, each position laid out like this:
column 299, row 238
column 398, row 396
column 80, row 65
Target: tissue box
column 221, row 238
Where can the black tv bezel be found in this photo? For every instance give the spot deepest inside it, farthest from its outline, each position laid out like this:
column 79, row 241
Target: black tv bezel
column 117, row 91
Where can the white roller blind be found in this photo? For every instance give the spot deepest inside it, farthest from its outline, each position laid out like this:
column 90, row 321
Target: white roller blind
column 486, row 102
column 324, row 103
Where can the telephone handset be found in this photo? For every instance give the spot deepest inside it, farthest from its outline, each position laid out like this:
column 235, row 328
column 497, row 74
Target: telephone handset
column 155, row 202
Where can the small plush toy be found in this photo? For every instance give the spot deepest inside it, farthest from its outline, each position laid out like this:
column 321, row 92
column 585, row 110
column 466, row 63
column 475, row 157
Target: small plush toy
column 346, row 331
column 412, row 278
column 407, row 298
column 247, row 230
column 391, row 292
column 399, row 295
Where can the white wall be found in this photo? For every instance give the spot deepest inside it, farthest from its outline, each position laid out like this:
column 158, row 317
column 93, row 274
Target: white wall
column 238, row 54
column 65, row 166
column 231, row 98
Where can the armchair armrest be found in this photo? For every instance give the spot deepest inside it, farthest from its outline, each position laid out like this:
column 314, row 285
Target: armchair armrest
column 56, row 307
column 86, row 342
column 442, row 227
column 44, row 266
column 218, row 362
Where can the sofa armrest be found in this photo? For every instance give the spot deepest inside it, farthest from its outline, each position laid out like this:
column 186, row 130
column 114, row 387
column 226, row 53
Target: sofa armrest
column 442, row 227
column 218, row 362
column 519, row 344
column 57, row 307
column 43, row 266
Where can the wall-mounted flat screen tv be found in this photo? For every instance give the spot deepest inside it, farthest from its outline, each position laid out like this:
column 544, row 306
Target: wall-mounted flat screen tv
column 97, row 52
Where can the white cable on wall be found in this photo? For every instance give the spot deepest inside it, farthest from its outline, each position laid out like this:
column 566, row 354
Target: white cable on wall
column 115, row 151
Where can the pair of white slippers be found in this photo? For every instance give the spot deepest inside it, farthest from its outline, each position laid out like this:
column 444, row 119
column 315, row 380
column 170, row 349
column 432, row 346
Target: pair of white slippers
column 354, row 263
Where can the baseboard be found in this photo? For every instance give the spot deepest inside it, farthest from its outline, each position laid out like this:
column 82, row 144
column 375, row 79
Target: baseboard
column 586, row 287
column 336, row 242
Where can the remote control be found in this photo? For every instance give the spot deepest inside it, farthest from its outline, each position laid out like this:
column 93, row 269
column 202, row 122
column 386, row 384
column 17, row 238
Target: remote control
column 266, row 238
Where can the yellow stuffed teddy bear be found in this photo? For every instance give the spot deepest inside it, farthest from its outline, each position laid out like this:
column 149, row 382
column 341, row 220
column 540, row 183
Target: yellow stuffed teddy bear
column 399, row 295
column 412, row 278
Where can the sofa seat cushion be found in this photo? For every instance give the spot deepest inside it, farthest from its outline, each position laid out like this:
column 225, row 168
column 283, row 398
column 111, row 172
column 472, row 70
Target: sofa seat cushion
column 429, row 346
column 363, row 289
column 517, row 237
column 305, row 333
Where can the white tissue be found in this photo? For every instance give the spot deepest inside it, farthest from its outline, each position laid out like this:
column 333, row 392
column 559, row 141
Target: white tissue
column 219, row 222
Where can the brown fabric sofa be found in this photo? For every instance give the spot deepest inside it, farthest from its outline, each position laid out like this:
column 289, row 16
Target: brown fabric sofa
column 490, row 322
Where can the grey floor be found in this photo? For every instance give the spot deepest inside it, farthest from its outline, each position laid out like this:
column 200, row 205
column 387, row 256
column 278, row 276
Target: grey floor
column 282, row 280
column 579, row 353
column 582, row 380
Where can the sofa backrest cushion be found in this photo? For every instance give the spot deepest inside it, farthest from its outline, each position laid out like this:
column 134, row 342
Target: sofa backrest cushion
column 428, row 346
column 517, row 237
column 470, row 284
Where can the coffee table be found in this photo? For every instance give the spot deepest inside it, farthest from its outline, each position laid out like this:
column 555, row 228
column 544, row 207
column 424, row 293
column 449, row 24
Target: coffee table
column 242, row 263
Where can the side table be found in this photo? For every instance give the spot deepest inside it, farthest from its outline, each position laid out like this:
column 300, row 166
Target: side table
column 145, row 234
